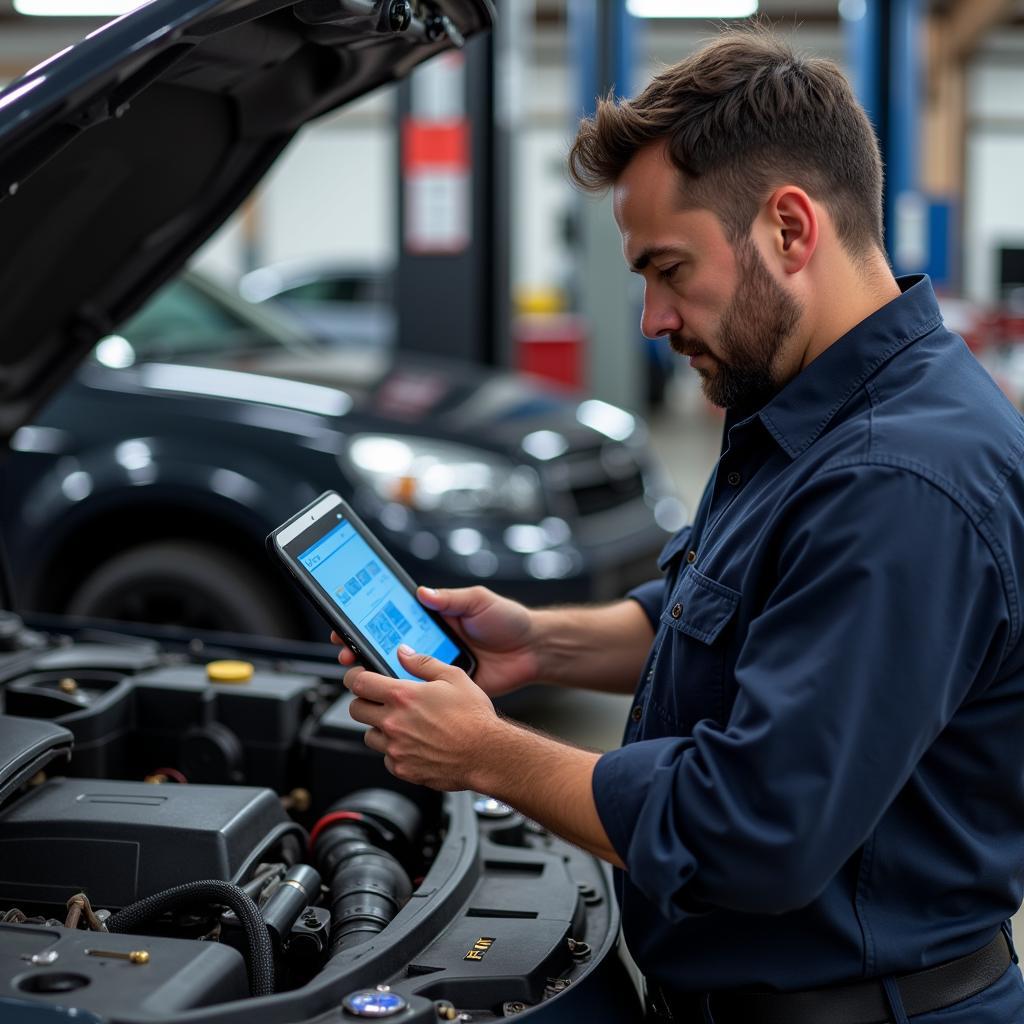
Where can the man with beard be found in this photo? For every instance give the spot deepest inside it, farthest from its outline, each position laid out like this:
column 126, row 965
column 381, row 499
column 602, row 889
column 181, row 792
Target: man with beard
column 818, row 810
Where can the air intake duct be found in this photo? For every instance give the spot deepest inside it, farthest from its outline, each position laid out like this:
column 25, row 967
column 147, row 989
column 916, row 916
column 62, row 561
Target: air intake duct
column 364, row 847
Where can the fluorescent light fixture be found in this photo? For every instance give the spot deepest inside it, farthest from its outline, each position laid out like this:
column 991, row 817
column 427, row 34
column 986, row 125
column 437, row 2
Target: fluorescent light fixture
column 691, row 8
column 852, row 10
column 76, row 8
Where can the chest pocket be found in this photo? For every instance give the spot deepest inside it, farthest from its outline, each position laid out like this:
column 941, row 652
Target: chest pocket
column 693, row 675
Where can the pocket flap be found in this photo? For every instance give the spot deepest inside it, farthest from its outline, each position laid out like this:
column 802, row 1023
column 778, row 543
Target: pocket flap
column 700, row 607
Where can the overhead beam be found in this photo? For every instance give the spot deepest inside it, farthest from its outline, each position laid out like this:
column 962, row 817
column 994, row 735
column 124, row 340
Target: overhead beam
column 968, row 21
column 953, row 38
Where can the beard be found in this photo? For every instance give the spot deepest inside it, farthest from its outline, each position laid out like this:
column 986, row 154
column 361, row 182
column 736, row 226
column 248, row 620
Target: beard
column 755, row 325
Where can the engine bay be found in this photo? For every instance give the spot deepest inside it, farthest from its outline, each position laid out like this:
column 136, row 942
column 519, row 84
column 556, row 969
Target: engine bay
column 195, row 831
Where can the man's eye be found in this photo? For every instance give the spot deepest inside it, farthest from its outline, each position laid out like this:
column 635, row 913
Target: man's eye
column 667, row 273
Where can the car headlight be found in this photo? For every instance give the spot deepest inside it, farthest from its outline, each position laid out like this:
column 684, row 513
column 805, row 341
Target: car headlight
column 439, row 476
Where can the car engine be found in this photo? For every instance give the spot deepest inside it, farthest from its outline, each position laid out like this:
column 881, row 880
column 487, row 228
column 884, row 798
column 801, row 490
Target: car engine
column 194, row 830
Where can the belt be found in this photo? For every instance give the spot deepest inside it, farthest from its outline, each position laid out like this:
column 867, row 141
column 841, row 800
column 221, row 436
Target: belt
column 863, row 1002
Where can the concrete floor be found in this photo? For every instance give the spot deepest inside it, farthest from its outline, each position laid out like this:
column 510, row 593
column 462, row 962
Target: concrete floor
column 686, row 435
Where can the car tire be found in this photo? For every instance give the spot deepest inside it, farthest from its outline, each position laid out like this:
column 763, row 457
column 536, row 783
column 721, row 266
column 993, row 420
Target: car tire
column 182, row 583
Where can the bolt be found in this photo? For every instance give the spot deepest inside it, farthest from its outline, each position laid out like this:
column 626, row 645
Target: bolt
column 136, row 956
column 297, row 800
column 44, row 959
column 68, row 686
column 446, row 1011
column 399, row 15
column 383, row 988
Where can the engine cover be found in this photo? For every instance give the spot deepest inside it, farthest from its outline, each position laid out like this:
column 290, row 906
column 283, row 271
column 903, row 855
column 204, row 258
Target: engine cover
column 121, row 841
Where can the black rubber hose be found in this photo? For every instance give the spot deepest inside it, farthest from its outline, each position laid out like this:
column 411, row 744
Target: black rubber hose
column 260, row 962
column 368, row 886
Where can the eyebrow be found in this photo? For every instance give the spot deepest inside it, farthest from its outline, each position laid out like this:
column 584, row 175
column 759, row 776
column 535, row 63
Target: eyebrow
column 644, row 259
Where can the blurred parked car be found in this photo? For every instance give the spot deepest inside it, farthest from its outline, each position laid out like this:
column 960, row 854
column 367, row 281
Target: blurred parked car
column 342, row 303
column 144, row 490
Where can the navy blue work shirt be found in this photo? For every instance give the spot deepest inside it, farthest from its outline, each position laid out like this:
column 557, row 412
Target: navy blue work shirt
column 823, row 774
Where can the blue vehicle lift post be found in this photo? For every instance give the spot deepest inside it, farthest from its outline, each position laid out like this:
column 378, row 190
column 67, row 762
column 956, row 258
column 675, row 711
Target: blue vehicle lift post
column 604, row 38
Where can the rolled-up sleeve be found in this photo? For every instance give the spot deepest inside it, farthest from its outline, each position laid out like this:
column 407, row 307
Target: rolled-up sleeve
column 650, row 596
column 887, row 608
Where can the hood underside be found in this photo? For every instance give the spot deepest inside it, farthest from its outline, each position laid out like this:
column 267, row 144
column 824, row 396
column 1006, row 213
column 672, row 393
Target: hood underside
column 120, row 157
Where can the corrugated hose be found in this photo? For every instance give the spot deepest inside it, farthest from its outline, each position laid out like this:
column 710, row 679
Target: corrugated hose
column 260, row 961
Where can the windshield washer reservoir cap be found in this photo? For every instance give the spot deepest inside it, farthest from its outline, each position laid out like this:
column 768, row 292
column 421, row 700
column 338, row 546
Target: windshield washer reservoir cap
column 229, row 671
column 374, row 1002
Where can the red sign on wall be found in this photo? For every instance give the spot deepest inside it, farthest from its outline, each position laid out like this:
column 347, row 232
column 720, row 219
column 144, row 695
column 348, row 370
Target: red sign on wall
column 436, row 161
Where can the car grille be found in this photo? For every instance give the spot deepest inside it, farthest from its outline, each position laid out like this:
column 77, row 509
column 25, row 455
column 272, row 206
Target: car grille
column 598, row 479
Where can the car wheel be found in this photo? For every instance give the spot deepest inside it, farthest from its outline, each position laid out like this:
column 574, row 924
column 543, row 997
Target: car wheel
column 182, row 583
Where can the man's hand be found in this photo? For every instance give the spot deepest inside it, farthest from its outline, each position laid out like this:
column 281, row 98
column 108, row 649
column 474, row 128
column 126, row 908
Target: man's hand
column 498, row 632
column 444, row 733
column 433, row 733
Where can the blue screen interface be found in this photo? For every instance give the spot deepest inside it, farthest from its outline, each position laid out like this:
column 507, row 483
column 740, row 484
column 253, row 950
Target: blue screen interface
column 369, row 594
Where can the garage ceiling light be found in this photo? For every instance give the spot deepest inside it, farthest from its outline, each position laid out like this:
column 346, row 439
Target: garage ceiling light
column 76, row 8
column 691, row 8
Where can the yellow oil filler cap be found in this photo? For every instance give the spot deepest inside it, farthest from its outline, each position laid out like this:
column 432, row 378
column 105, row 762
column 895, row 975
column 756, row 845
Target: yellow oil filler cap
column 229, row 671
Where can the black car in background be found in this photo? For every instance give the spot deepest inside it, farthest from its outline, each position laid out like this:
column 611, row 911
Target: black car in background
column 143, row 490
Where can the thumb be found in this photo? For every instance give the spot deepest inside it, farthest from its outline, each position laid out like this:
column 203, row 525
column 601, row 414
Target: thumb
column 423, row 666
column 462, row 601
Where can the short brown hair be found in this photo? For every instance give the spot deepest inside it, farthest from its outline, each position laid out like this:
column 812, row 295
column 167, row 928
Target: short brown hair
column 740, row 117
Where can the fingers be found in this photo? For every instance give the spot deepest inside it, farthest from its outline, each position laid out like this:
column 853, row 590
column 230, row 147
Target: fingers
column 375, row 740
column 380, row 689
column 345, row 655
column 423, row 666
column 373, row 686
column 367, row 713
column 460, row 602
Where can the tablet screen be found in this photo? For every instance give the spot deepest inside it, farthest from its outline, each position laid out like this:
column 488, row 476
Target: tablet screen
column 371, row 596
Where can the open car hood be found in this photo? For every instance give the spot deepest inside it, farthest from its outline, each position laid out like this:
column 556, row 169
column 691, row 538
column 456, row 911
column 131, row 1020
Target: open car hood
column 120, row 156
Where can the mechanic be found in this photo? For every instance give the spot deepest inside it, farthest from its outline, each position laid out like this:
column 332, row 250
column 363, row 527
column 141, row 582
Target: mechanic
column 818, row 808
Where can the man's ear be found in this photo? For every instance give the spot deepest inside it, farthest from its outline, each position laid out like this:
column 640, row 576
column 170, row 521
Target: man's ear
column 793, row 223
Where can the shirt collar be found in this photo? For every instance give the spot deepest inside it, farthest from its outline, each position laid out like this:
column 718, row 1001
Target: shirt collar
column 802, row 410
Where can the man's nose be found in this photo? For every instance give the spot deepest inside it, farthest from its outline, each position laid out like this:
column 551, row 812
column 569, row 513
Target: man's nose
column 659, row 317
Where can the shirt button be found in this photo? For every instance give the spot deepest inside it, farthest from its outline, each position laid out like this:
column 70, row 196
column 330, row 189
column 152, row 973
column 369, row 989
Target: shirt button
column 677, row 610
column 637, row 713
column 691, row 557
column 734, row 479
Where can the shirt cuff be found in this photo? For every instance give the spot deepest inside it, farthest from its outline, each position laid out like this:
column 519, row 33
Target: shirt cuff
column 659, row 865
